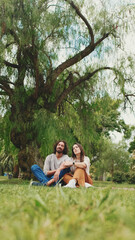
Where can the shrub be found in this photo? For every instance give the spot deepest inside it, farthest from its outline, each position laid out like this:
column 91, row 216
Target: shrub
column 108, row 179
column 131, row 178
column 118, row 177
column 127, row 176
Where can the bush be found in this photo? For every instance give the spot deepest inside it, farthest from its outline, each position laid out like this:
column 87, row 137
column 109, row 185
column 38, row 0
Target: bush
column 109, row 179
column 131, row 178
column 127, row 176
column 118, row 177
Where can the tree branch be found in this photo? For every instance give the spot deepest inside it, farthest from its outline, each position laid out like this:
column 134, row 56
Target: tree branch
column 38, row 75
column 84, row 20
column 3, row 94
column 13, row 33
column 129, row 95
column 77, row 58
column 5, row 86
column 9, row 44
column 68, row 63
column 8, row 64
column 102, row 38
column 72, row 86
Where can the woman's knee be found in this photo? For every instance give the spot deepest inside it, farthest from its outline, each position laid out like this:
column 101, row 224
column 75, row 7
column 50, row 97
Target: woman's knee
column 79, row 170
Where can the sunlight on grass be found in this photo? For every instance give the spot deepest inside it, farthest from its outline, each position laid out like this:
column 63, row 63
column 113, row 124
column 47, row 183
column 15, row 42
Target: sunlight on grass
column 59, row 213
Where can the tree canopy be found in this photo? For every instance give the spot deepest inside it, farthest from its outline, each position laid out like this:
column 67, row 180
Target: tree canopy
column 51, row 52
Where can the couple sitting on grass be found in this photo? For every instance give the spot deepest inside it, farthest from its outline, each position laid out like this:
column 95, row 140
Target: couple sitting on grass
column 73, row 171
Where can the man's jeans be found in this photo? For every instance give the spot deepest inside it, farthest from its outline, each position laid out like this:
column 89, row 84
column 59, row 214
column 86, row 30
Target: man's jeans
column 42, row 178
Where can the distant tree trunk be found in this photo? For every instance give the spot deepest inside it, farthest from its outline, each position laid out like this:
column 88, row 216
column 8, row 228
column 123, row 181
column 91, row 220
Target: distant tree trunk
column 104, row 176
column 101, row 178
column 112, row 168
column 16, row 171
column 1, row 170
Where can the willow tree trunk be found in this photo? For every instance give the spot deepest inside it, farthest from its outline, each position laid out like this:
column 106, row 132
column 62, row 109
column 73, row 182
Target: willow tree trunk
column 28, row 153
column 23, row 136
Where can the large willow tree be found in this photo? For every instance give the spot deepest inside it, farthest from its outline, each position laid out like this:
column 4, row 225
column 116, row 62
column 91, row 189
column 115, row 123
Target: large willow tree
column 47, row 50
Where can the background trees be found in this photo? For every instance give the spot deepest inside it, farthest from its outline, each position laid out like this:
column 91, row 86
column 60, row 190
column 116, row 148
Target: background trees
column 112, row 158
column 52, row 55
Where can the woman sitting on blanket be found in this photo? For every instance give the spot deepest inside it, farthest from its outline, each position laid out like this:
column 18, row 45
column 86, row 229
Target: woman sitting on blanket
column 79, row 175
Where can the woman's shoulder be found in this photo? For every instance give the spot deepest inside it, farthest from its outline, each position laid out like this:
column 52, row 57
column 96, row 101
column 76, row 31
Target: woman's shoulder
column 86, row 158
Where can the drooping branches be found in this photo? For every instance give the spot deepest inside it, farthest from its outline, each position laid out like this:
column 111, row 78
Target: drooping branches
column 82, row 79
column 82, row 54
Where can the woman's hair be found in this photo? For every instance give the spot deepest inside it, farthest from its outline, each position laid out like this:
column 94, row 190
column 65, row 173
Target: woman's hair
column 81, row 154
column 65, row 151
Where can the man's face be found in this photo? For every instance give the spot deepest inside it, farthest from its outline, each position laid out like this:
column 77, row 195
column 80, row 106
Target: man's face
column 60, row 147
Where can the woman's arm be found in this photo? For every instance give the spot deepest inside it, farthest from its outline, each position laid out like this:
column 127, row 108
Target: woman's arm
column 80, row 165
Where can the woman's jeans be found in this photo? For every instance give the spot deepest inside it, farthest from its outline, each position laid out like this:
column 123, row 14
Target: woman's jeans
column 42, row 178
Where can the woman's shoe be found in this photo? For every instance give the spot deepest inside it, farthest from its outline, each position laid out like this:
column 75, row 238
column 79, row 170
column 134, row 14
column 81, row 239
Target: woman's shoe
column 71, row 184
column 87, row 185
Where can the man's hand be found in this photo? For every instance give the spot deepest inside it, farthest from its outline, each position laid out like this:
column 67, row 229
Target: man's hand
column 56, row 175
column 62, row 166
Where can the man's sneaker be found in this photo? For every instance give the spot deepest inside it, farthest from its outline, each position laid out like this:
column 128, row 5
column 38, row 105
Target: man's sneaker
column 34, row 183
column 87, row 185
column 71, row 184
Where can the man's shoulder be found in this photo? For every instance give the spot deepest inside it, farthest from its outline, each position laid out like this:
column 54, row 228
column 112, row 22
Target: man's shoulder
column 50, row 156
column 65, row 157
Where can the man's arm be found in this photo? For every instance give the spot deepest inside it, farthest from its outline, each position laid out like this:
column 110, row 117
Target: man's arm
column 64, row 165
column 46, row 168
column 51, row 172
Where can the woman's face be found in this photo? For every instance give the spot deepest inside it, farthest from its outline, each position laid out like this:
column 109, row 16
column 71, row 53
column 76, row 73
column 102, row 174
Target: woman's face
column 76, row 149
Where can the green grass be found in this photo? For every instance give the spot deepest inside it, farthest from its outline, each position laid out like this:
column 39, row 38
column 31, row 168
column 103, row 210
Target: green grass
column 41, row 213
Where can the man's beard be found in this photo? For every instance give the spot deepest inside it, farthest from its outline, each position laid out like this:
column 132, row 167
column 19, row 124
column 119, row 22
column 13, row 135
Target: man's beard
column 59, row 150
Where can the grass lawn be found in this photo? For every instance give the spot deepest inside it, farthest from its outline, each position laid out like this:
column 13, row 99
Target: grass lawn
column 106, row 212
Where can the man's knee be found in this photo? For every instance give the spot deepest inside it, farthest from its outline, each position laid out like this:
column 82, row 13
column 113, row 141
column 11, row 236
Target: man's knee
column 63, row 172
column 34, row 167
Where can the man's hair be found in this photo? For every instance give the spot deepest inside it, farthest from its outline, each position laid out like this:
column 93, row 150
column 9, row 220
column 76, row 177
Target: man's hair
column 81, row 154
column 65, row 151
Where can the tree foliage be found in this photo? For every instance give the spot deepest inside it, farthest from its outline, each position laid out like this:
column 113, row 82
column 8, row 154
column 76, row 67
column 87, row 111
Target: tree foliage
column 112, row 158
column 50, row 52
